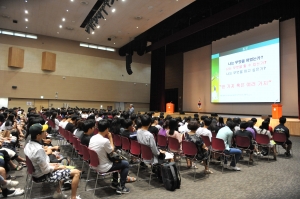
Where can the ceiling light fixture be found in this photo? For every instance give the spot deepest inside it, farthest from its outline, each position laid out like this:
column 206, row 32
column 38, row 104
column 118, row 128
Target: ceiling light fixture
column 67, row 10
column 26, row 19
column 113, row 10
column 98, row 26
column 63, row 19
column 93, row 32
column 60, row 26
column 26, row 11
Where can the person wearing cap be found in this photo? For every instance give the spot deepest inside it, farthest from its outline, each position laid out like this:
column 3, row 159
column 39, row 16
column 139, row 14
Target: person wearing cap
column 44, row 171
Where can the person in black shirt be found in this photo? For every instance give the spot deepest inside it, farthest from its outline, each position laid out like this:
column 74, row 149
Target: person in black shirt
column 71, row 126
column 153, row 129
column 283, row 129
column 127, row 128
column 88, row 128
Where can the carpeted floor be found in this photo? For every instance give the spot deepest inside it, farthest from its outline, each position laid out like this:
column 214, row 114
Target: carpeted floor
column 274, row 179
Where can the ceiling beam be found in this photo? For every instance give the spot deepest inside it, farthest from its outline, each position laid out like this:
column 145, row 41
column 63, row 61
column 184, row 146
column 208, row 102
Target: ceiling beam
column 208, row 22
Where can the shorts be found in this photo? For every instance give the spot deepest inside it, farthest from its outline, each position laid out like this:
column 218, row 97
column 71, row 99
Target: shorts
column 56, row 176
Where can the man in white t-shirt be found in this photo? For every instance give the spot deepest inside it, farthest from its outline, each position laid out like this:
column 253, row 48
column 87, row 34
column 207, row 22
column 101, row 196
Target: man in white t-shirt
column 103, row 146
column 204, row 130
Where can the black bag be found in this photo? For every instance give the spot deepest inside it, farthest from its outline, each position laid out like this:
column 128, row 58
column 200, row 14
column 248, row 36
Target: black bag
column 264, row 151
column 156, row 169
column 115, row 157
column 170, row 176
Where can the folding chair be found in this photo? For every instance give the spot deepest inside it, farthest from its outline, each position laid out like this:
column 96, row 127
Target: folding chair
column 162, row 141
column 207, row 142
column 174, row 146
column 125, row 144
column 85, row 156
column 263, row 141
column 146, row 154
column 94, row 162
column 117, row 141
column 190, row 151
column 279, row 138
column 29, row 184
column 218, row 146
column 243, row 143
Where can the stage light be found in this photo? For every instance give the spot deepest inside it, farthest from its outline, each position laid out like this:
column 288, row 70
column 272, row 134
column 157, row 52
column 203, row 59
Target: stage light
column 104, row 11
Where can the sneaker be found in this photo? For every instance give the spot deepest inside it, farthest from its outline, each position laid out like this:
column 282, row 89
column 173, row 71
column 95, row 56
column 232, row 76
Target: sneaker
column 233, row 168
column 77, row 197
column 17, row 192
column 59, row 195
column 114, row 185
column 123, row 189
column 10, row 183
column 208, row 171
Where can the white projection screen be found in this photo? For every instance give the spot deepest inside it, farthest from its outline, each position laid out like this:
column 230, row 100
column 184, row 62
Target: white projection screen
column 245, row 68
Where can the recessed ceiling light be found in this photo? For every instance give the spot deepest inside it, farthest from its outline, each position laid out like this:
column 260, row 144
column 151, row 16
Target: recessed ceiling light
column 67, row 10
column 26, row 1
column 57, row 32
column 105, row 19
column 123, row 0
column 26, row 19
column 137, row 27
column 26, row 11
column 88, row 38
column 114, row 43
column 60, row 26
column 26, row 27
column 93, row 33
column 113, row 10
column 98, row 26
column 63, row 19
column 72, row 0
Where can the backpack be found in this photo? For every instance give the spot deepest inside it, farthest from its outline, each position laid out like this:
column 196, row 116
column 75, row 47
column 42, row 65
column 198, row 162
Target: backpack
column 170, row 176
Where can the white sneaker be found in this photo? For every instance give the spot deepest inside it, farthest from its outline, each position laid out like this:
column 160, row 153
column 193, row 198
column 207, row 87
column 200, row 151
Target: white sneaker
column 234, row 168
column 59, row 195
column 77, row 197
column 17, row 192
column 10, row 183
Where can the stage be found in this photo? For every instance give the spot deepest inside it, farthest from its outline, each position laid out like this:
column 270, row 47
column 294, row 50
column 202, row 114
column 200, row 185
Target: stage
column 292, row 123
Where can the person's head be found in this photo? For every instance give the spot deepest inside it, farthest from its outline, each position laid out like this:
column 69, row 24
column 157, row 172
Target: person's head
column 250, row 124
column 264, row 125
column 103, row 127
column 154, row 120
column 268, row 120
column 193, row 125
column 196, row 115
column 203, row 117
column 230, row 124
column 236, row 120
column 127, row 124
column 146, row 120
column 254, row 120
column 88, row 126
column 38, row 131
column 54, row 115
column 166, row 124
column 172, row 126
column 207, row 121
column 244, row 125
column 131, row 105
column 282, row 120
column 91, row 117
column 221, row 120
column 11, row 117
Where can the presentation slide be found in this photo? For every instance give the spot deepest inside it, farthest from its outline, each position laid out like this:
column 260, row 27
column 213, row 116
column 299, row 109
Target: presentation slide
column 249, row 73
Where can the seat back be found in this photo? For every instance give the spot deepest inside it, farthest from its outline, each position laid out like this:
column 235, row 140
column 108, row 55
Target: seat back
column 206, row 140
column 30, row 168
column 262, row 139
column 162, row 141
column 214, row 134
column 189, row 148
column 279, row 137
column 217, row 144
column 242, row 141
column 125, row 143
column 135, row 148
column 94, row 160
column 85, row 152
column 173, row 144
column 146, row 152
column 96, row 131
column 117, row 140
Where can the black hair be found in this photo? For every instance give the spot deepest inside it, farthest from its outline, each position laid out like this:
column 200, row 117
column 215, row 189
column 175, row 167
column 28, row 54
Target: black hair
column 103, row 125
column 146, row 120
column 230, row 124
column 203, row 117
column 173, row 126
column 244, row 125
column 138, row 123
column 207, row 121
column 115, row 126
column 254, row 120
column 88, row 124
column 193, row 125
column 127, row 123
column 91, row 117
column 282, row 120
column 153, row 119
column 264, row 125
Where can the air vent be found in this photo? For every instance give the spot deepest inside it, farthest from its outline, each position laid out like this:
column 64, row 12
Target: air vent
column 5, row 16
column 84, row 3
column 69, row 28
column 138, row 17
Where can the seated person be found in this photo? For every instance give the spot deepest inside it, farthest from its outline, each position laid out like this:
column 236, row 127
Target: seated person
column 128, row 129
column 147, row 138
column 153, row 129
column 44, row 171
column 264, row 129
column 71, row 125
column 201, row 147
column 78, row 131
column 103, row 146
column 204, row 130
column 226, row 134
column 7, row 184
column 246, row 133
column 172, row 132
column 165, row 127
column 88, row 129
column 287, row 145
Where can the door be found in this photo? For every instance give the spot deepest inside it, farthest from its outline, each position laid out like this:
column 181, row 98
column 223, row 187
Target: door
column 39, row 104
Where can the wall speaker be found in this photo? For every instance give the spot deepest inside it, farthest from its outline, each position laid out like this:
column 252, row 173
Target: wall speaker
column 14, row 87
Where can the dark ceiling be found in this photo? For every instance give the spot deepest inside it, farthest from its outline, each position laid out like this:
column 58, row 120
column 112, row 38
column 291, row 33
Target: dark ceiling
column 200, row 18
